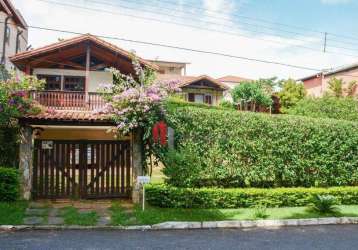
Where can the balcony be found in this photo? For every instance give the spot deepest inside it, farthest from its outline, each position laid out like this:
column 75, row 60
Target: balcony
column 69, row 100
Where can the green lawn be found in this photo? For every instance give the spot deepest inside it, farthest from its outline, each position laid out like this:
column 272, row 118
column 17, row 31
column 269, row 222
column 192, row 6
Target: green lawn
column 12, row 213
column 154, row 215
column 73, row 217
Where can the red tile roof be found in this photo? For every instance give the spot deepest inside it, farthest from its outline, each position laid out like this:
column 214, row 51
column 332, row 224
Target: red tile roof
column 233, row 79
column 68, row 116
column 76, row 40
column 187, row 80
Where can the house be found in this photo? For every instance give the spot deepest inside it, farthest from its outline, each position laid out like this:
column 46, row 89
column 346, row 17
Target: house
column 13, row 32
column 317, row 84
column 198, row 89
column 231, row 82
column 66, row 151
column 170, row 68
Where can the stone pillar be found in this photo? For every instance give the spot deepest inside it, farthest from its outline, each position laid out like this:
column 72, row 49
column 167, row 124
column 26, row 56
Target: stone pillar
column 26, row 163
column 137, row 164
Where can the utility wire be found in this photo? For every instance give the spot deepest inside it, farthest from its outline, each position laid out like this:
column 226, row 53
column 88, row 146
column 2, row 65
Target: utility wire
column 192, row 26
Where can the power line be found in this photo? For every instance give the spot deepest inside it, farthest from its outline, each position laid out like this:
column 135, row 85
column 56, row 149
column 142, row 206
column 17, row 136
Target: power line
column 181, row 48
column 191, row 26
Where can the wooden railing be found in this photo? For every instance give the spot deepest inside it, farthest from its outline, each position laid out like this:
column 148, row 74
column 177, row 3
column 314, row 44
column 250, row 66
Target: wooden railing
column 68, row 100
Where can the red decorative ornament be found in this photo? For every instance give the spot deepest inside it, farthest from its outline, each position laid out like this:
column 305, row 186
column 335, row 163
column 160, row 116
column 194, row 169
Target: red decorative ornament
column 159, row 131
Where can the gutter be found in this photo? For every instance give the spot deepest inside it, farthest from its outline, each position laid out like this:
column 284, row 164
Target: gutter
column 4, row 41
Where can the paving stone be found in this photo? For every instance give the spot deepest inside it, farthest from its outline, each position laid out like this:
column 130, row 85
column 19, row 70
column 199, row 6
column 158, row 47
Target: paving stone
column 104, row 221
column 35, row 211
column 55, row 221
column 33, row 220
column 38, row 205
column 54, row 212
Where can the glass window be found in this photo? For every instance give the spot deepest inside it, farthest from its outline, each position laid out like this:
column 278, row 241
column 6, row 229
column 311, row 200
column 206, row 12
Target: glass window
column 53, row 82
column 74, row 83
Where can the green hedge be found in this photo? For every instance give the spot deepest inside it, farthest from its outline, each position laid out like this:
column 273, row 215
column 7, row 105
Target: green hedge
column 327, row 107
column 9, row 184
column 172, row 197
column 223, row 148
column 9, row 146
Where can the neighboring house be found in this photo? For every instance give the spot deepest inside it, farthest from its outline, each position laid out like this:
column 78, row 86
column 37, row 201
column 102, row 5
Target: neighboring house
column 231, row 82
column 73, row 155
column 200, row 89
column 170, row 68
column 13, row 33
column 317, row 84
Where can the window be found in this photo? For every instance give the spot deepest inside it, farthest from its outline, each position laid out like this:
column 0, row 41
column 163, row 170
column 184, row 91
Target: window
column 191, row 97
column 208, row 99
column 74, row 83
column 53, row 82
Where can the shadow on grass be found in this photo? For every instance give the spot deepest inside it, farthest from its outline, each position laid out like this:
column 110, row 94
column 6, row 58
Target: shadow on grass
column 73, row 217
column 310, row 213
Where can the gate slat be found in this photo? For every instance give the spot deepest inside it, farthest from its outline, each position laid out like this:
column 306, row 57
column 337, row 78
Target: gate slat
column 113, row 148
column 128, row 166
column 103, row 163
column 57, row 170
column 98, row 158
column 73, row 166
column 35, row 171
column 46, row 166
column 108, row 160
column 41, row 166
column 122, row 169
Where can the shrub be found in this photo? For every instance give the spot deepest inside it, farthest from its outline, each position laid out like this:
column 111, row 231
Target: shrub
column 9, row 184
column 224, row 148
column 324, row 204
column 173, row 197
column 327, row 107
column 9, row 146
column 260, row 212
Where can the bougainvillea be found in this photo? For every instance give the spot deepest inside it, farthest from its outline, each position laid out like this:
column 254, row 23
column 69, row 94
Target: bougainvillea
column 15, row 99
column 136, row 102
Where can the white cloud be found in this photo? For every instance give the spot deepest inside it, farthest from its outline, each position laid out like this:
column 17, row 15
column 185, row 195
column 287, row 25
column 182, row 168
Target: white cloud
column 84, row 21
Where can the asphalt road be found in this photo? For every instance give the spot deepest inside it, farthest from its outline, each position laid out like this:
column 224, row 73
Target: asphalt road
column 312, row 237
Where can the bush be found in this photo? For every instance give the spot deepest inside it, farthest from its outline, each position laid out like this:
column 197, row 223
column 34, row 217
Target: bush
column 224, row 148
column 324, row 204
column 9, row 184
column 327, row 107
column 9, row 146
column 173, row 197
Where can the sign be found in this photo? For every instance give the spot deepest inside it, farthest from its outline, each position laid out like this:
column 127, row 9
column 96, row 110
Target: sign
column 47, row 144
column 143, row 179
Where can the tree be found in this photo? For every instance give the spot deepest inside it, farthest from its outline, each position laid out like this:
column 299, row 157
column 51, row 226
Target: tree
column 249, row 95
column 290, row 94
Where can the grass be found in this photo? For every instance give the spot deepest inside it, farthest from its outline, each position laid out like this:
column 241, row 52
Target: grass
column 73, row 217
column 153, row 215
column 12, row 213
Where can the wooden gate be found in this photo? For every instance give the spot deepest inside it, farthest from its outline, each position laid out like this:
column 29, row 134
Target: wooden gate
column 82, row 169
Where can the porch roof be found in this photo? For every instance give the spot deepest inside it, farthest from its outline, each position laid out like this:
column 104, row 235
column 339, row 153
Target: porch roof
column 62, row 52
column 185, row 81
column 67, row 117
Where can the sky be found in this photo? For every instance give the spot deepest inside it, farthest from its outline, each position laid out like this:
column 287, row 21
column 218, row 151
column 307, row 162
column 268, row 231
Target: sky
column 285, row 31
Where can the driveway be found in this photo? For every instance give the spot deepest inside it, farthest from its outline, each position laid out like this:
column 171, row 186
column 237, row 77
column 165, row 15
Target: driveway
column 313, row 237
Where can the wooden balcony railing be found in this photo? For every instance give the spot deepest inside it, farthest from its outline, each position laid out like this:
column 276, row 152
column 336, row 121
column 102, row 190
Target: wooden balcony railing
column 68, row 100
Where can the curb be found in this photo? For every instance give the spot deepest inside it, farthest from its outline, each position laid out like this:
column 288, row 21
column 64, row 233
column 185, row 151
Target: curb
column 198, row 225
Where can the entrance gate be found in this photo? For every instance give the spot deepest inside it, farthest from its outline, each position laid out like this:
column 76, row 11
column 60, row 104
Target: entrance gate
column 82, row 169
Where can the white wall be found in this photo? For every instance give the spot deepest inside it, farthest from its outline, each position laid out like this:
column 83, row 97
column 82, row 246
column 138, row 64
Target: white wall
column 96, row 77
column 10, row 46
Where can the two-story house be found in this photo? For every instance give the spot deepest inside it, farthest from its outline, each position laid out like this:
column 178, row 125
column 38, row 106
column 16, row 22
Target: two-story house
column 317, row 84
column 199, row 89
column 66, row 150
column 13, row 33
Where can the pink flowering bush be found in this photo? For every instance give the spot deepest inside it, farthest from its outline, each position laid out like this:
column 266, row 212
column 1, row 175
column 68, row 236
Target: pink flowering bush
column 136, row 103
column 15, row 100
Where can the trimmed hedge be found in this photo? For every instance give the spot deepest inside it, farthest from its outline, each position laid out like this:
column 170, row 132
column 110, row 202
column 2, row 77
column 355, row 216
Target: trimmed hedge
column 224, row 148
column 327, row 107
column 9, row 184
column 172, row 197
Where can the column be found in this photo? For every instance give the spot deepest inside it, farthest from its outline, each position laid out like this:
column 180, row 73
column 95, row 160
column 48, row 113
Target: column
column 26, row 162
column 137, row 164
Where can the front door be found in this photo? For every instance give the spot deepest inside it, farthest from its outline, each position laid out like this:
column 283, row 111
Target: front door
column 82, row 169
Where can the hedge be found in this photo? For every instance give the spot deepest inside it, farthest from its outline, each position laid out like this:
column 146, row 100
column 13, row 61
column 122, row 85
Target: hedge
column 9, row 184
column 327, row 107
column 173, row 197
column 225, row 148
column 9, row 146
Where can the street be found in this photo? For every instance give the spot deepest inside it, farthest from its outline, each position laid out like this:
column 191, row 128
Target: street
column 313, row 237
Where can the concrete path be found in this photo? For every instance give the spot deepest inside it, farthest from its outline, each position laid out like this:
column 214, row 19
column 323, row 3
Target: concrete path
column 307, row 238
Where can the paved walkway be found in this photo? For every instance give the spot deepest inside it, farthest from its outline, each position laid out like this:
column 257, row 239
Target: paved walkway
column 307, row 238
column 50, row 213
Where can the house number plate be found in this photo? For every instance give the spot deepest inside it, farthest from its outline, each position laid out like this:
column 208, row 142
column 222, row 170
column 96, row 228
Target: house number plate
column 47, row 144
column 143, row 179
